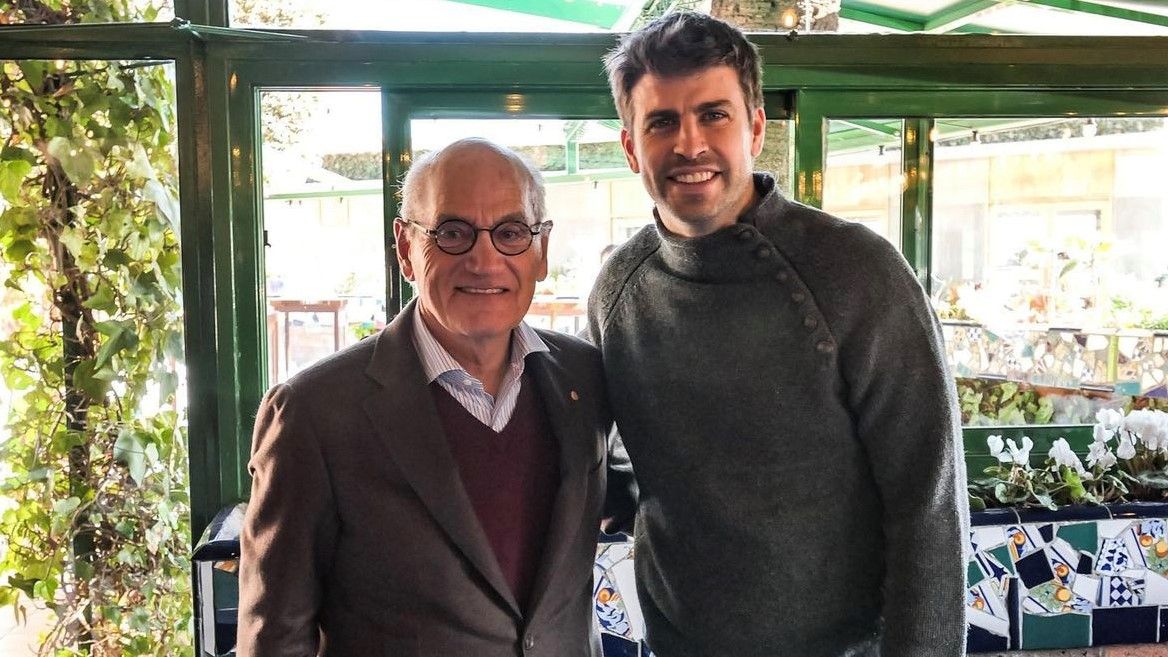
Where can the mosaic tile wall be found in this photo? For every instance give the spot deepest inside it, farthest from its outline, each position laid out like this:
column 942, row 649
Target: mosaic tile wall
column 1067, row 583
column 614, row 594
column 1136, row 362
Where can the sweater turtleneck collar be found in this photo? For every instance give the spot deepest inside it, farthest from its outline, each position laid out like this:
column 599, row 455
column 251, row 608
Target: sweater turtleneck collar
column 734, row 253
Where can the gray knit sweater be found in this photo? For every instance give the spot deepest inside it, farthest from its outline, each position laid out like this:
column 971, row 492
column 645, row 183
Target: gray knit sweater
column 781, row 388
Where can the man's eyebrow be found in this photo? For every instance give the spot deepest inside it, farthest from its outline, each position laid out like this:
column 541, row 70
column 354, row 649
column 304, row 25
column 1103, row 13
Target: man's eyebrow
column 514, row 216
column 660, row 114
column 714, row 104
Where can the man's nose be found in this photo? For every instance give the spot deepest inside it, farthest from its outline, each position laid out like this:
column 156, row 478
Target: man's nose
column 483, row 257
column 691, row 139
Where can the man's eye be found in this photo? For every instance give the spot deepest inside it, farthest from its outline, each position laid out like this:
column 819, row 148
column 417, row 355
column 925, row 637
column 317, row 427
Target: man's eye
column 452, row 232
column 510, row 232
column 714, row 115
column 659, row 124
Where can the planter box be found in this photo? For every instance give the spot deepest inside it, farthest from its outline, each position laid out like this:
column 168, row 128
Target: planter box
column 1076, row 577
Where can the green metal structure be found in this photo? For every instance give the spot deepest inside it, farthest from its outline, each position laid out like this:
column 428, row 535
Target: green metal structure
column 922, row 80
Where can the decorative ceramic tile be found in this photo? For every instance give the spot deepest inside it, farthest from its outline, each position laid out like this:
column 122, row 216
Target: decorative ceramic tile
column 1155, row 590
column 614, row 598
column 1065, row 584
column 1125, row 625
column 1023, row 540
column 1132, row 361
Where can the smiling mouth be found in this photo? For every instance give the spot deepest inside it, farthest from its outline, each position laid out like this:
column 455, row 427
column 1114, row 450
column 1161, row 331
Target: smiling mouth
column 693, row 178
column 482, row 290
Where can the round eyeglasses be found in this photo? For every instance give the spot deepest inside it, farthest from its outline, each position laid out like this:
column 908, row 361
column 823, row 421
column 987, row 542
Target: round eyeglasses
column 456, row 237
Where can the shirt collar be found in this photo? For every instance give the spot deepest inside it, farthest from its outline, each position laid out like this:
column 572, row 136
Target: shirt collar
column 436, row 361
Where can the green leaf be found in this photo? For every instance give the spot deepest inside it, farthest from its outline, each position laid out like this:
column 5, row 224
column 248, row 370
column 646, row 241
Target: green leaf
column 66, row 507
column 76, row 161
column 93, row 381
column 130, row 450
column 12, row 175
column 976, row 503
column 122, row 335
column 19, row 250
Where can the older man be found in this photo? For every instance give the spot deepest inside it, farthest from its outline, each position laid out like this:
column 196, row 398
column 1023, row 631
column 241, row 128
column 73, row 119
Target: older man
column 778, row 377
column 436, row 490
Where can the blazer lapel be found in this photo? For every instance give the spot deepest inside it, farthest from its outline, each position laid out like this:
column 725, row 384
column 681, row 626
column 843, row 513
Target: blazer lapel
column 404, row 416
column 574, row 440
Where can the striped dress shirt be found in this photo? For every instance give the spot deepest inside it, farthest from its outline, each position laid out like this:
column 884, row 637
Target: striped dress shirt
column 438, row 364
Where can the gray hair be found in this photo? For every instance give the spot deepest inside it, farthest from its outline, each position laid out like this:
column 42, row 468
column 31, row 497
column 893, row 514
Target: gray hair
column 417, row 179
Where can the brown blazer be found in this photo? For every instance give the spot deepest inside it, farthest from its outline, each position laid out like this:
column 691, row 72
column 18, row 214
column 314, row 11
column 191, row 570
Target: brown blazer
column 360, row 540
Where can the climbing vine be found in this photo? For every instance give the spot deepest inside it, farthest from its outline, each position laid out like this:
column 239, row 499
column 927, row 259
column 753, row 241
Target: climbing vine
column 94, row 466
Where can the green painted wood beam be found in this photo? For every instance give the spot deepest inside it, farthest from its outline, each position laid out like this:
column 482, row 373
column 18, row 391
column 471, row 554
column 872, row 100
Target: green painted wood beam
column 890, row 129
column 586, row 12
column 958, row 15
column 880, row 17
column 1109, row 11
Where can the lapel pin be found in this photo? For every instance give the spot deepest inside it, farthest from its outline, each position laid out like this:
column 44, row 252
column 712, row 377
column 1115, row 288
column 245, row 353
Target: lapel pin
column 574, row 395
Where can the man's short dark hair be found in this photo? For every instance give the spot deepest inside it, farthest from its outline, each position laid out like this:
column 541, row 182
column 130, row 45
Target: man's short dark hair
column 682, row 43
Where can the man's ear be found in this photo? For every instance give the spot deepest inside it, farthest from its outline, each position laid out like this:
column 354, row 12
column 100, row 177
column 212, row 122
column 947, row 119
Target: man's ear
column 630, row 153
column 543, row 256
column 401, row 246
column 757, row 131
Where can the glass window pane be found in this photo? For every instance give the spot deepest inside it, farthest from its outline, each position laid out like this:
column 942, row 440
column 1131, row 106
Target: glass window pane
column 57, row 13
column 1048, row 262
column 594, row 199
column 431, row 15
column 323, row 221
column 862, row 180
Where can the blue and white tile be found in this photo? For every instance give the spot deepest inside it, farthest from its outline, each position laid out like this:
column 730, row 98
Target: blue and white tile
column 1112, row 528
column 986, row 538
column 1121, row 592
column 1155, row 589
column 1023, row 540
column 1087, row 587
column 1114, row 557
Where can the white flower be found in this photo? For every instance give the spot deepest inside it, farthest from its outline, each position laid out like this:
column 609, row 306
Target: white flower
column 1020, row 456
column 1100, row 456
column 1146, row 426
column 1110, row 418
column 996, row 446
column 1102, row 434
column 1062, row 454
column 1127, row 447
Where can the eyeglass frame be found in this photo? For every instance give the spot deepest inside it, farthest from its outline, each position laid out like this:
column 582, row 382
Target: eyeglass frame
column 537, row 228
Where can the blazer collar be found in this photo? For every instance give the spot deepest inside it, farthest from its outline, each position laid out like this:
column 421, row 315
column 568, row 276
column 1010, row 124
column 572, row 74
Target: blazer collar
column 404, row 414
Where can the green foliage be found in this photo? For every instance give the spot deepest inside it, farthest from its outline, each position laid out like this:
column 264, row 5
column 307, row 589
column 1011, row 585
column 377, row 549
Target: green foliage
column 990, row 403
column 95, row 466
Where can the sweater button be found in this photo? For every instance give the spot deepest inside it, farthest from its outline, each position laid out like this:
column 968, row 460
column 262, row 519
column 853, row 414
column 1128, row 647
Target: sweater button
column 529, row 642
column 810, row 322
column 744, row 233
column 824, row 347
column 782, row 276
column 798, row 296
column 763, row 252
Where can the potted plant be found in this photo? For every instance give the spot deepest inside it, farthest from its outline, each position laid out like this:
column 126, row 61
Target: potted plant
column 1071, row 549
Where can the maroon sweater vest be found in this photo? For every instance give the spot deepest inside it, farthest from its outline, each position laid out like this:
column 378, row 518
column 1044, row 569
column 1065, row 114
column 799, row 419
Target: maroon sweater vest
column 511, row 477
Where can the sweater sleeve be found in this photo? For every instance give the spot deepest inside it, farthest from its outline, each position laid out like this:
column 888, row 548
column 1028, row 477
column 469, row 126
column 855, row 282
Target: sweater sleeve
column 903, row 400
column 288, row 534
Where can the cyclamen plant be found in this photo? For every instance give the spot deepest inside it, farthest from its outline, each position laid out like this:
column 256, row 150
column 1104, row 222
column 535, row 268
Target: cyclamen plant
column 1127, row 461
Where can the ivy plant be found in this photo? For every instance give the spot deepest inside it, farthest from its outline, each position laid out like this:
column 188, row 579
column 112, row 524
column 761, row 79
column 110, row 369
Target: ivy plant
column 94, row 467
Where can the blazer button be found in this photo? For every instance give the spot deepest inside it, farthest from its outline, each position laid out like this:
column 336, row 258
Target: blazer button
column 529, row 642
column 824, row 347
column 763, row 252
column 798, row 297
column 782, row 276
column 810, row 322
column 744, row 233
